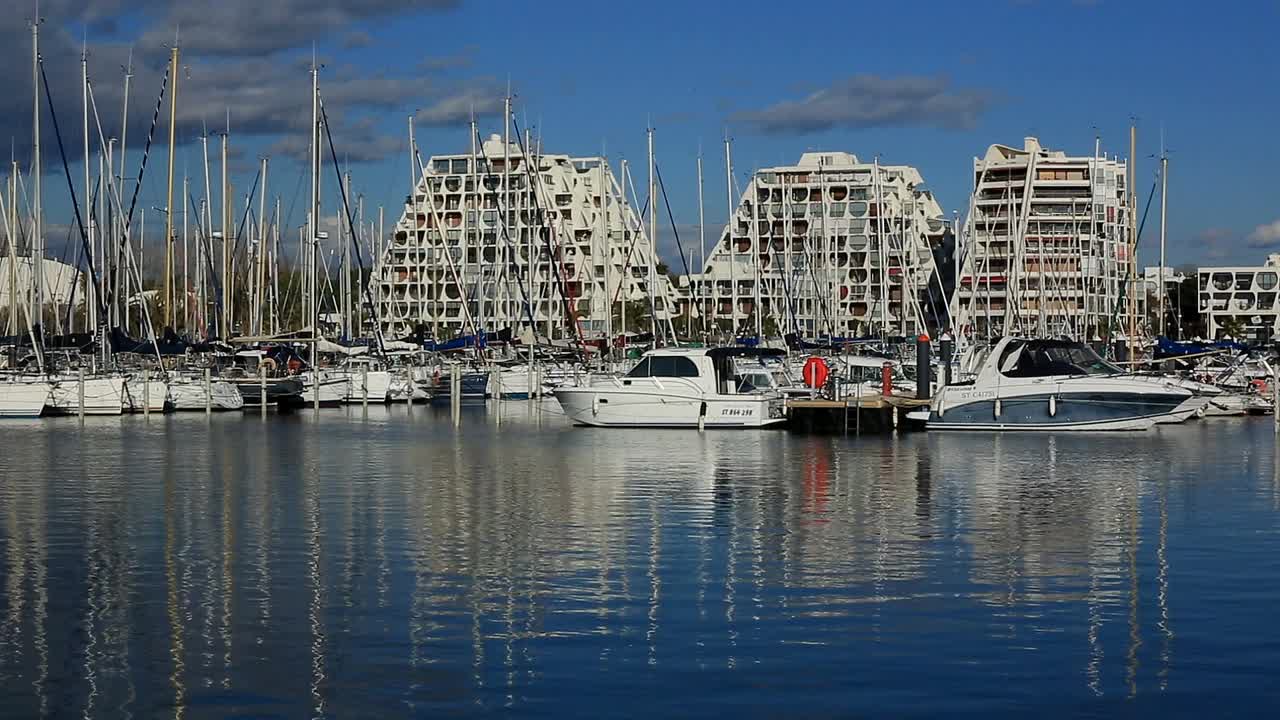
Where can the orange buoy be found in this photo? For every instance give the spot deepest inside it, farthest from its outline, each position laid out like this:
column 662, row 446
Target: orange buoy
column 815, row 372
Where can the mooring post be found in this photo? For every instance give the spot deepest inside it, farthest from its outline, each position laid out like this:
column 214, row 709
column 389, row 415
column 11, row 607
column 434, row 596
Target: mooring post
column 208, row 392
column 364, row 380
column 455, row 393
column 80, row 382
column 924, row 372
column 945, row 350
column 146, row 395
column 262, row 387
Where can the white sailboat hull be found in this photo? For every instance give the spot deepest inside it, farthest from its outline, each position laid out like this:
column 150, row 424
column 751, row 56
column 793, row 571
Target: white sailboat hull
column 379, row 382
column 23, row 399
column 189, row 395
column 102, row 396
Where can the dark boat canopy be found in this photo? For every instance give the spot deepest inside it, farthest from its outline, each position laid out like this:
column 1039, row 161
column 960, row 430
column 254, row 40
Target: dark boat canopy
column 740, row 351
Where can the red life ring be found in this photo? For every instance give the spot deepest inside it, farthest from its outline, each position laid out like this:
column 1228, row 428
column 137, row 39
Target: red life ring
column 815, row 372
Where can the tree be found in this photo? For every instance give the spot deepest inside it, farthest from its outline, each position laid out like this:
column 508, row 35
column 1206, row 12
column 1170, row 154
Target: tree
column 638, row 316
column 1233, row 327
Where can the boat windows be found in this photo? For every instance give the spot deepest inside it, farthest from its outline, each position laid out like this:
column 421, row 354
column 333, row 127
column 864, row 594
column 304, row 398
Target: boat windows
column 664, row 366
column 1024, row 360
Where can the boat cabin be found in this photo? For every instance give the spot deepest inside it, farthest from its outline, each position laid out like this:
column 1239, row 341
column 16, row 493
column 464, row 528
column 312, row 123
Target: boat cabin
column 1021, row 358
column 714, row 371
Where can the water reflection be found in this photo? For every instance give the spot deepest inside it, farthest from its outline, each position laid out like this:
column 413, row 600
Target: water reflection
column 324, row 565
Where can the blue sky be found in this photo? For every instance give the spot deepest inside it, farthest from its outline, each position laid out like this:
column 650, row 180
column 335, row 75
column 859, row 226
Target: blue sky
column 592, row 75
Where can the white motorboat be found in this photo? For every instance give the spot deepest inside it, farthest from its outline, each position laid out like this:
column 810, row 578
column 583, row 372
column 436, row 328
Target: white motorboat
column 679, row 388
column 23, row 397
column 1055, row 385
column 103, row 395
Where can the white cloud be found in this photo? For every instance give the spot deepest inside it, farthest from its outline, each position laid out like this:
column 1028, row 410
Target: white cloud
column 1265, row 236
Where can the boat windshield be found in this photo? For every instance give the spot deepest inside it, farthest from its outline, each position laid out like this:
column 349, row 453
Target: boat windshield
column 1035, row 359
column 664, row 366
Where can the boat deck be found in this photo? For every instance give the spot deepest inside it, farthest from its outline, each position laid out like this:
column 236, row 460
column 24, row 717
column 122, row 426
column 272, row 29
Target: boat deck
column 872, row 413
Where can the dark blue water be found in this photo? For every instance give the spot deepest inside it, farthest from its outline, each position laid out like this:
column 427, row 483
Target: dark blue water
column 390, row 565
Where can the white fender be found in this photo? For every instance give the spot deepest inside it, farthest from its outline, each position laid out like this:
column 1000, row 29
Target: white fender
column 997, row 408
column 595, row 404
column 1053, row 406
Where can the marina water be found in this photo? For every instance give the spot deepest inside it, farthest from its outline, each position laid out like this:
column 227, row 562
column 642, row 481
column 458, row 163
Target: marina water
column 385, row 563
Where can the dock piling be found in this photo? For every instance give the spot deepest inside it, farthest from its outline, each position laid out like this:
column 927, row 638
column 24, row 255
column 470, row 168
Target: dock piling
column 455, row 393
column 262, row 388
column 146, row 395
column 944, row 351
column 208, row 393
column 80, row 381
column 923, row 370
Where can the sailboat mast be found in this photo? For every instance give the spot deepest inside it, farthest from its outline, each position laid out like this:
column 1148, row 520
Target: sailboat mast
column 186, row 256
column 37, row 234
column 207, row 221
column 506, row 197
column 226, row 244
column 261, row 271
column 1164, row 191
column 653, row 243
column 1133, row 242
column 605, row 248
column 702, row 253
column 728, row 232
column 12, row 228
column 90, row 307
column 312, row 267
column 168, row 208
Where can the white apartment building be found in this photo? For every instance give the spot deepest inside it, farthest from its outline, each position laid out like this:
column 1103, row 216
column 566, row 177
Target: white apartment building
column 1046, row 246
column 1241, row 300
column 830, row 245
column 459, row 259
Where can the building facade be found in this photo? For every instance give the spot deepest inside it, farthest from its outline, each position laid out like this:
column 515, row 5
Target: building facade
column 1241, row 301
column 830, row 245
column 1046, row 246
column 489, row 241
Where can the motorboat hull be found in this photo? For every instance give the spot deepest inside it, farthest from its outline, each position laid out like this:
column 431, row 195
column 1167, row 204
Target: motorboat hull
column 1090, row 411
column 604, row 407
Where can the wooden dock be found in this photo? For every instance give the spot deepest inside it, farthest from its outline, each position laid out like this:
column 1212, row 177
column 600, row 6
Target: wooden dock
column 871, row 414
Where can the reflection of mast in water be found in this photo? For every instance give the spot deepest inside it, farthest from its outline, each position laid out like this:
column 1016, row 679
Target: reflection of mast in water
column 731, row 579
column 15, row 575
column 262, row 507
column 1162, row 582
column 655, row 579
column 40, row 565
column 1135, row 636
column 316, row 607
column 177, row 649
column 227, row 584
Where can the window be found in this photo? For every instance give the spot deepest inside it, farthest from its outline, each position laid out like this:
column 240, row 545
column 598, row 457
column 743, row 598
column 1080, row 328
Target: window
column 1267, row 280
column 640, row 370
column 664, row 366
